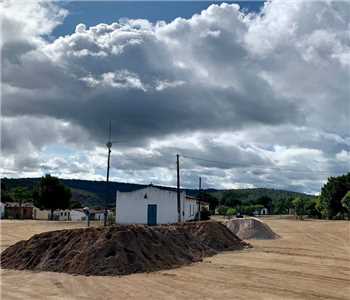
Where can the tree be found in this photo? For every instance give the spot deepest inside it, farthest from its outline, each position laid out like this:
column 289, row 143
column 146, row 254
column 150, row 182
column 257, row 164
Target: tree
column 346, row 203
column 5, row 194
column 321, row 207
column 300, row 206
column 332, row 193
column 51, row 194
column 265, row 201
column 230, row 199
column 280, row 206
column 213, row 201
column 222, row 210
column 231, row 212
column 311, row 208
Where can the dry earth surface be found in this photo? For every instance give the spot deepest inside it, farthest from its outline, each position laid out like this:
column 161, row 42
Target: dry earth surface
column 310, row 261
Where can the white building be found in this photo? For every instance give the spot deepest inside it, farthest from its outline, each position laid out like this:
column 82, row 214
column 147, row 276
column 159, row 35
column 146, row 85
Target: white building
column 77, row 215
column 154, row 205
column 261, row 211
column 40, row 214
column 100, row 215
column 61, row 215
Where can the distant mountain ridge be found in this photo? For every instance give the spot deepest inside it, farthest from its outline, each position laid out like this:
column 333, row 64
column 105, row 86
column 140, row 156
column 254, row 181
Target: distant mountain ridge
column 97, row 194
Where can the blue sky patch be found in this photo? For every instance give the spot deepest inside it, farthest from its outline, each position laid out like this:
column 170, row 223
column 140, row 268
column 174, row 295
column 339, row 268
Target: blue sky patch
column 92, row 13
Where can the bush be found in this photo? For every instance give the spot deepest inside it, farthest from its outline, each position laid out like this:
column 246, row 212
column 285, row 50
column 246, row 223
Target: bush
column 231, row 212
column 300, row 206
column 222, row 210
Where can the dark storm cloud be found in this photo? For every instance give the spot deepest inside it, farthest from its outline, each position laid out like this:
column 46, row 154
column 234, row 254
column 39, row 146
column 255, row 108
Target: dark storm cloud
column 136, row 106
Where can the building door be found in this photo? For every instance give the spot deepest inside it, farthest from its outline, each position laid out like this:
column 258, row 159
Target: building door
column 152, row 214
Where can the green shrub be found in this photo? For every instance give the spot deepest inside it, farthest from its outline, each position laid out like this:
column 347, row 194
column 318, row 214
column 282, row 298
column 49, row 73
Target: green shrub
column 222, row 210
column 231, row 212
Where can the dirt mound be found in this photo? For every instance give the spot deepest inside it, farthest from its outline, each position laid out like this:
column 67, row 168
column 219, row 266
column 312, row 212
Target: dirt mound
column 120, row 250
column 213, row 235
column 251, row 228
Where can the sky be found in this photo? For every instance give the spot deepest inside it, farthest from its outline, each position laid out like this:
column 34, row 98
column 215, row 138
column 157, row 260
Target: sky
column 250, row 94
column 96, row 12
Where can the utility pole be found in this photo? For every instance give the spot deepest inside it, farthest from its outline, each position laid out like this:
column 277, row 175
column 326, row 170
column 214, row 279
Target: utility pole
column 109, row 146
column 178, row 188
column 199, row 198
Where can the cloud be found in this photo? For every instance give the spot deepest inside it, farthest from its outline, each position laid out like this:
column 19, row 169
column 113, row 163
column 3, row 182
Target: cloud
column 256, row 91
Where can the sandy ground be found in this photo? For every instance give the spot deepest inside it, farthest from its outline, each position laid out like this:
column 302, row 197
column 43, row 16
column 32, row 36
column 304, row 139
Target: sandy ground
column 311, row 261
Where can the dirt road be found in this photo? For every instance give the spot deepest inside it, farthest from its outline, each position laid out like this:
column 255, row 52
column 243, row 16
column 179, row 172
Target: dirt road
column 311, row 261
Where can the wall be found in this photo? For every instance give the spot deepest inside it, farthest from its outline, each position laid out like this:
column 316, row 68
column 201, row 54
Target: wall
column 99, row 216
column 14, row 212
column 76, row 215
column 61, row 215
column 131, row 207
column 190, row 209
column 39, row 214
column 264, row 211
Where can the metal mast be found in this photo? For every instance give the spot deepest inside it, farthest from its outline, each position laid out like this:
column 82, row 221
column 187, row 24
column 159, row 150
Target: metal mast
column 199, row 198
column 109, row 146
column 178, row 188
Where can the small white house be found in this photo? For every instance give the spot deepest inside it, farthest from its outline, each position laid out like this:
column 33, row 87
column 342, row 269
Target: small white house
column 40, row 214
column 100, row 215
column 261, row 211
column 77, row 215
column 154, row 205
column 61, row 215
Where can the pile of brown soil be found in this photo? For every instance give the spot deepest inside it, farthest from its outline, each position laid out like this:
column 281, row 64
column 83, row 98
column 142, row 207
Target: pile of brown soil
column 251, row 228
column 213, row 235
column 120, row 250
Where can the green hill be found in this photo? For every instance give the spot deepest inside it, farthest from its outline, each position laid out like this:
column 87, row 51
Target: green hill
column 97, row 194
column 247, row 195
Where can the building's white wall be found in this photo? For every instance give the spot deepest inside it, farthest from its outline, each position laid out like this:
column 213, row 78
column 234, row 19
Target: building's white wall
column 77, row 215
column 131, row 207
column 99, row 216
column 62, row 215
column 190, row 209
column 264, row 211
column 40, row 214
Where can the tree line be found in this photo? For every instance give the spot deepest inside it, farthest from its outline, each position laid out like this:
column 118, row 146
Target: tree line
column 332, row 203
column 50, row 193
